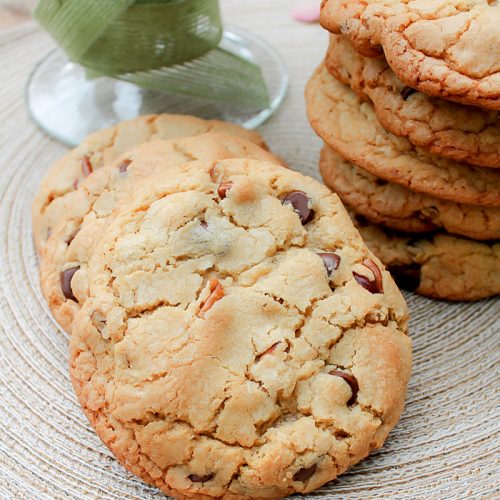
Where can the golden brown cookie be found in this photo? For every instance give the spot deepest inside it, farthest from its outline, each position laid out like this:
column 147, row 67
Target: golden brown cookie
column 85, row 212
column 444, row 48
column 238, row 339
column 102, row 148
column 400, row 208
column 350, row 127
column 451, row 130
column 440, row 266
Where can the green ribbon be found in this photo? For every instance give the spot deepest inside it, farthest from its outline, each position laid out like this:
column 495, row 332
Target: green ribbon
column 166, row 45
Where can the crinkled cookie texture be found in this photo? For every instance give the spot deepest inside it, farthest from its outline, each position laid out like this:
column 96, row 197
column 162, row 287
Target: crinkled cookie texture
column 440, row 266
column 85, row 212
column 350, row 127
column 400, row 208
column 448, row 129
column 102, row 148
column 444, row 48
column 239, row 340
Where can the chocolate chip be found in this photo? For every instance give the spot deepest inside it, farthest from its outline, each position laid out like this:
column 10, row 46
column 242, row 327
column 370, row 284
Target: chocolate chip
column 353, row 384
column 331, row 261
column 223, row 188
column 66, row 277
column 300, row 203
column 305, row 473
column 406, row 276
column 124, row 166
column 86, row 166
column 407, row 92
column 375, row 285
column 195, row 478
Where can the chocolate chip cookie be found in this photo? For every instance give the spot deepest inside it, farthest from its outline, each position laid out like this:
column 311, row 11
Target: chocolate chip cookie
column 103, row 147
column 438, row 265
column 85, row 212
column 451, row 130
column 400, row 208
column 350, row 127
column 444, row 48
column 238, row 339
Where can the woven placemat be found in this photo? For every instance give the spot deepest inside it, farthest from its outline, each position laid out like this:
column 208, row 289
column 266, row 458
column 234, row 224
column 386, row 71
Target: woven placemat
column 447, row 443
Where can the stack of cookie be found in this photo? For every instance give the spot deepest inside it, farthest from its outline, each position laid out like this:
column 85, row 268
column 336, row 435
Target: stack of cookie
column 407, row 103
column 229, row 328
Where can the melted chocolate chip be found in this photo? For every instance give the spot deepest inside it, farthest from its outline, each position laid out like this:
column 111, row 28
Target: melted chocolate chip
column 66, row 277
column 195, row 478
column 406, row 276
column 300, row 204
column 375, row 285
column 86, row 166
column 124, row 166
column 353, row 384
column 407, row 92
column 223, row 188
column 305, row 473
column 331, row 261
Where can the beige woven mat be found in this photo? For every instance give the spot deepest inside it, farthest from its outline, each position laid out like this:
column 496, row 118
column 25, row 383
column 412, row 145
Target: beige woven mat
column 447, row 443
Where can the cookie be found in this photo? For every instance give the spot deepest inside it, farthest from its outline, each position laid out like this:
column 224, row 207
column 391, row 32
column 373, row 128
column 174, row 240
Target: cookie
column 86, row 211
column 104, row 147
column 350, row 127
column 444, row 48
column 448, row 129
column 438, row 265
column 400, row 208
column 238, row 339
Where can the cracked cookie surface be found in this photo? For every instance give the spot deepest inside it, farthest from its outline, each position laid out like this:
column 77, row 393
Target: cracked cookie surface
column 400, row 208
column 444, row 48
column 350, row 127
column 451, row 130
column 85, row 212
column 102, row 148
column 238, row 338
column 440, row 266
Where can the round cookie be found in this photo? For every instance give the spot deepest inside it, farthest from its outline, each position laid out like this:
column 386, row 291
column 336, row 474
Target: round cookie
column 350, row 127
column 448, row 129
column 444, row 48
column 238, row 339
column 85, row 212
column 400, row 208
column 102, row 148
column 439, row 265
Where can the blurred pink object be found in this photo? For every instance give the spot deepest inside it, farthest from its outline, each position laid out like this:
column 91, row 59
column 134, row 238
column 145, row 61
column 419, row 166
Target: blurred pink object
column 307, row 12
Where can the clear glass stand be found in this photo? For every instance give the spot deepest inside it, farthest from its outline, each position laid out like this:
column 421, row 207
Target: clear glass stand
column 69, row 107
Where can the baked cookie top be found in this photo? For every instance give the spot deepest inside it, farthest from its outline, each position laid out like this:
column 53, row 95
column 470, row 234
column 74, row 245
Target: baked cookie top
column 445, row 48
column 400, row 208
column 238, row 337
column 451, row 130
column 440, row 266
column 350, row 126
column 102, row 148
column 86, row 211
